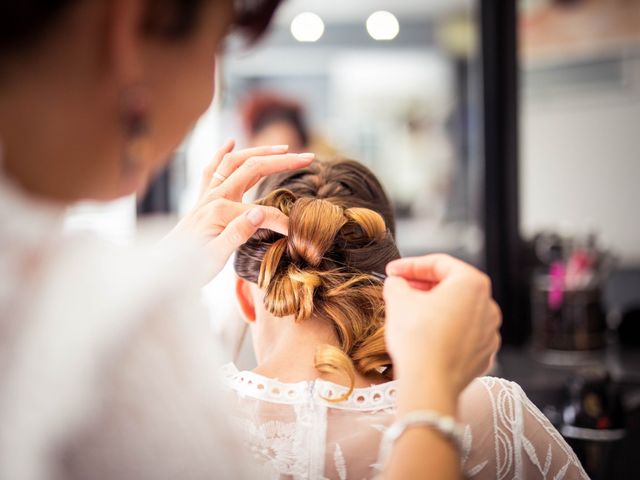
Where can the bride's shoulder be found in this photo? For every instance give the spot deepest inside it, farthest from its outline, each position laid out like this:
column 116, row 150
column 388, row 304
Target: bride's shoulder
column 489, row 393
column 503, row 401
column 500, row 420
column 492, row 384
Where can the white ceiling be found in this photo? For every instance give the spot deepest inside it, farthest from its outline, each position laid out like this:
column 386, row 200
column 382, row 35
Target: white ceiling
column 350, row 11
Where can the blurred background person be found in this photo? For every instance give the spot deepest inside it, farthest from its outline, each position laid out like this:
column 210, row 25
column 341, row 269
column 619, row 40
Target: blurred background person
column 271, row 119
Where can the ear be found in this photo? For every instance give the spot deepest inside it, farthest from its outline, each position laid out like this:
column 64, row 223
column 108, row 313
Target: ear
column 245, row 300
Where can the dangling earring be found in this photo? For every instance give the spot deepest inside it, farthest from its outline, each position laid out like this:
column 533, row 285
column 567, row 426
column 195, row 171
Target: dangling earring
column 135, row 124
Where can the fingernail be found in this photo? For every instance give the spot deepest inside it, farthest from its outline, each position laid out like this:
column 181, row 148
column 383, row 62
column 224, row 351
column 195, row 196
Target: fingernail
column 280, row 148
column 307, row 156
column 255, row 216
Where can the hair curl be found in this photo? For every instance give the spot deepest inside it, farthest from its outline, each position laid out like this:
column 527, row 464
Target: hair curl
column 340, row 231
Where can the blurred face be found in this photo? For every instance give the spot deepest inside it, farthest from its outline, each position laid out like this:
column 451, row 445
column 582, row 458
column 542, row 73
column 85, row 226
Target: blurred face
column 279, row 133
column 69, row 99
column 179, row 79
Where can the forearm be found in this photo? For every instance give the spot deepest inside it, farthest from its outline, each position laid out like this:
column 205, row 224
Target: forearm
column 423, row 452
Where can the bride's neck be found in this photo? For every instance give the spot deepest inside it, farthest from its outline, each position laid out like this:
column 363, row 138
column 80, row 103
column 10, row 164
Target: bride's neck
column 286, row 350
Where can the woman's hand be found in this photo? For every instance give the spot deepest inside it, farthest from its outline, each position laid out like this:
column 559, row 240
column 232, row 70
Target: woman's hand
column 447, row 330
column 219, row 218
column 441, row 332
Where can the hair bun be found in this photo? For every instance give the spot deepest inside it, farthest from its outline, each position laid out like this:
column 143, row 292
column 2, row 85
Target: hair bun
column 363, row 226
column 290, row 270
column 292, row 266
column 313, row 227
column 291, row 292
column 317, row 226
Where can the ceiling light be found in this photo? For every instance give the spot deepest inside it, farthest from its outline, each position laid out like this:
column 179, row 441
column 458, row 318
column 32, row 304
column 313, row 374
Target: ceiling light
column 307, row 27
column 383, row 25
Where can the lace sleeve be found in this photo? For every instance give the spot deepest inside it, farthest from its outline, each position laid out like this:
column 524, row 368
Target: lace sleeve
column 506, row 436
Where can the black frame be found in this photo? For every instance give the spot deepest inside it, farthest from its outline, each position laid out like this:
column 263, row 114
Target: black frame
column 503, row 243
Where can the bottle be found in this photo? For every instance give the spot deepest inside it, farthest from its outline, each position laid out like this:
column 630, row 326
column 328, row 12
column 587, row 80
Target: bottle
column 593, row 419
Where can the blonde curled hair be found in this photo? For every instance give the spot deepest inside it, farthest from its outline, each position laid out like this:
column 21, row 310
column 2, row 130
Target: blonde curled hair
column 340, row 232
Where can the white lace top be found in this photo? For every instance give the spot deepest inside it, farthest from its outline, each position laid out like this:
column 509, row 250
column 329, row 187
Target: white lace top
column 295, row 433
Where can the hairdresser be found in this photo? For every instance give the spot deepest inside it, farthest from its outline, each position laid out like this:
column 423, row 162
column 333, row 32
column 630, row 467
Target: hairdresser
column 106, row 365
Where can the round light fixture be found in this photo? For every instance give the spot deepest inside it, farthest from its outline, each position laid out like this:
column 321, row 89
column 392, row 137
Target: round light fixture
column 307, row 27
column 383, row 25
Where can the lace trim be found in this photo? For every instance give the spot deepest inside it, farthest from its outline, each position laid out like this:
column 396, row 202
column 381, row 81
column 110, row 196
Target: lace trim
column 375, row 397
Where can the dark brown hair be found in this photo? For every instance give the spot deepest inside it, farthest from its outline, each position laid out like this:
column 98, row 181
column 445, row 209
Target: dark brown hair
column 24, row 22
column 341, row 230
column 262, row 109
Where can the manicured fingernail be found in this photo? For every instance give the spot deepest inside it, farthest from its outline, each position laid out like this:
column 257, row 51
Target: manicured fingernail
column 307, row 156
column 255, row 216
column 280, row 148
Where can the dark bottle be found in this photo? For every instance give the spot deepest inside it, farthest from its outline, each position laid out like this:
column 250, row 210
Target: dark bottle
column 593, row 420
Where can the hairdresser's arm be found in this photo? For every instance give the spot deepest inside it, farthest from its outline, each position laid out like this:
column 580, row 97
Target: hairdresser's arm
column 442, row 332
column 220, row 220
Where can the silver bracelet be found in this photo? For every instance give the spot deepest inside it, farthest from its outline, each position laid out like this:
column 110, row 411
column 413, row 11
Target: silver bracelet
column 445, row 425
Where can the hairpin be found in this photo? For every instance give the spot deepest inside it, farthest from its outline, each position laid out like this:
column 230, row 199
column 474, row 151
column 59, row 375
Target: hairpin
column 380, row 276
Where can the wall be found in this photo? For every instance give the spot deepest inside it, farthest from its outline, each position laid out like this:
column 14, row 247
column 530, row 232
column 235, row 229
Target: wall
column 580, row 165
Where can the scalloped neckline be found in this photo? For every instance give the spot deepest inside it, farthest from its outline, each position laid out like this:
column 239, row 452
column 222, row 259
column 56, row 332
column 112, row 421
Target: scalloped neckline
column 247, row 383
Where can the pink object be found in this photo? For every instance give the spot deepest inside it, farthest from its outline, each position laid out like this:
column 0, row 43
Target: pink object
column 557, row 273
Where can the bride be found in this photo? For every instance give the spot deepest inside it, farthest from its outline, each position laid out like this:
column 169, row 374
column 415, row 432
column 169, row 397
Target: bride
column 323, row 392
